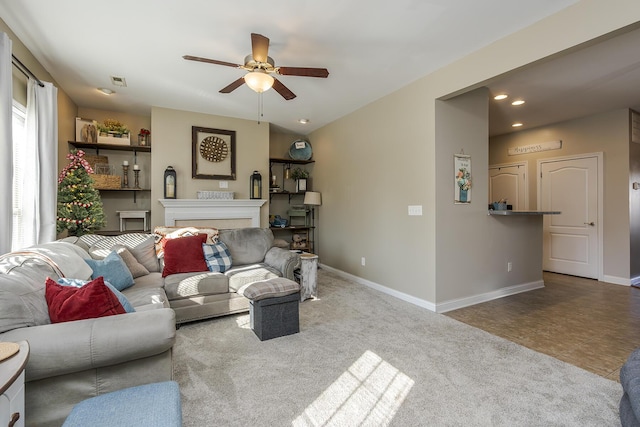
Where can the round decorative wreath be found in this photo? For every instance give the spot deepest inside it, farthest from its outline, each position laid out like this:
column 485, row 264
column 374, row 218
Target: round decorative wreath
column 214, row 149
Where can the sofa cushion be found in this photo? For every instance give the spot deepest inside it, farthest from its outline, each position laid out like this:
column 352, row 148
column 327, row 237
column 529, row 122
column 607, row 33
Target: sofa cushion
column 63, row 256
column 22, row 296
column 130, row 260
column 217, row 257
column 113, row 269
column 80, row 283
column 68, row 303
column 242, row 275
column 184, row 255
column 163, row 233
column 141, row 245
column 247, row 245
column 190, row 284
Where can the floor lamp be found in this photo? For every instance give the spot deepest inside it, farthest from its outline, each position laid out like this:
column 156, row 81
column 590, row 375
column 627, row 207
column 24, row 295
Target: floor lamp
column 313, row 199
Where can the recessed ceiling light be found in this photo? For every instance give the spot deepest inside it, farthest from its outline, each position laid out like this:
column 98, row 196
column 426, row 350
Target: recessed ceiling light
column 106, row 91
column 518, row 102
column 501, row 97
column 516, row 125
column 303, row 121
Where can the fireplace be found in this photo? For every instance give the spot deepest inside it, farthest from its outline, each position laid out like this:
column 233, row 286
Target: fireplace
column 236, row 213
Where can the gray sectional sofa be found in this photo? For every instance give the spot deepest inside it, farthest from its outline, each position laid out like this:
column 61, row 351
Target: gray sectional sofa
column 75, row 360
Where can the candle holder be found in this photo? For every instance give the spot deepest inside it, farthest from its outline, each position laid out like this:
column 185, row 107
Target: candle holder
column 136, row 178
column 125, row 176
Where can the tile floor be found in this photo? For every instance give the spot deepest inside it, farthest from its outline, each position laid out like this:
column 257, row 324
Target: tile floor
column 590, row 324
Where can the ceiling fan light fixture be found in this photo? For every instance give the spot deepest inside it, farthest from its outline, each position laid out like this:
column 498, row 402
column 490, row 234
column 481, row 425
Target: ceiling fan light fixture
column 259, row 81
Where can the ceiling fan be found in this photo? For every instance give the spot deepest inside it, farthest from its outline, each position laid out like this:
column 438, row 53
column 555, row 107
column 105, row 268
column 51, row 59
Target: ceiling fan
column 260, row 68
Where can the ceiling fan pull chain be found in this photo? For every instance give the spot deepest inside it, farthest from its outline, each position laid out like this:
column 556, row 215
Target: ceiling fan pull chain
column 260, row 107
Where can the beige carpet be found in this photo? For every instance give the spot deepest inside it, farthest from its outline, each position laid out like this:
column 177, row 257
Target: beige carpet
column 363, row 358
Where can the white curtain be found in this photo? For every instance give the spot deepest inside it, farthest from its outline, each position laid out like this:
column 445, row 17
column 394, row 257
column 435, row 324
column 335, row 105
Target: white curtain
column 6, row 145
column 41, row 190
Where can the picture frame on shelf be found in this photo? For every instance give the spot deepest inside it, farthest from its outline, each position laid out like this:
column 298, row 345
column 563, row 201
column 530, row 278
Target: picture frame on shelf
column 301, row 185
column 213, row 153
column 86, row 130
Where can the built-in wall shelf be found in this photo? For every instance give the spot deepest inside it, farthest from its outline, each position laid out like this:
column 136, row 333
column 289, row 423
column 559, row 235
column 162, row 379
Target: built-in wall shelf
column 291, row 161
column 114, row 147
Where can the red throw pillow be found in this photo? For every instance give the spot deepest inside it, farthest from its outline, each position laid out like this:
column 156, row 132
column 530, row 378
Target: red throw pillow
column 184, row 255
column 67, row 303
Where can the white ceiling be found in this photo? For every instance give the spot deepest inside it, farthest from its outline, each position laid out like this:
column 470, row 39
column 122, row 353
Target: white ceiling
column 602, row 77
column 371, row 49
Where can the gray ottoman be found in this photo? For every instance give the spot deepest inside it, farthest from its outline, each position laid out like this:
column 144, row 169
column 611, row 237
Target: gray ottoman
column 273, row 307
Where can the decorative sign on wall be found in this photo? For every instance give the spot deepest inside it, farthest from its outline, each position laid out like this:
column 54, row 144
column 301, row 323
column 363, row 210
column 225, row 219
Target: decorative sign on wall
column 213, row 153
column 462, row 178
column 535, row 148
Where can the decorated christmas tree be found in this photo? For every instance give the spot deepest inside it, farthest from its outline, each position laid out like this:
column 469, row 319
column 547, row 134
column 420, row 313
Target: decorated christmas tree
column 79, row 205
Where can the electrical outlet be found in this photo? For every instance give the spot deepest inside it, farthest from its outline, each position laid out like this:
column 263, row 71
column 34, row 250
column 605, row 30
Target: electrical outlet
column 415, row 210
column 224, row 184
column 363, row 261
column 509, row 266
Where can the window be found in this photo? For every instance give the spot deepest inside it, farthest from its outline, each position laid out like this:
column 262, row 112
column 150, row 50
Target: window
column 19, row 144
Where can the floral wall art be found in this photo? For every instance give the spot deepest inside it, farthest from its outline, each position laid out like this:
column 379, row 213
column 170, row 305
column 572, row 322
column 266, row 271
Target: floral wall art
column 462, row 168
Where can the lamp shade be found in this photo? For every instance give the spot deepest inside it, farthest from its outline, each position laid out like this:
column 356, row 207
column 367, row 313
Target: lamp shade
column 258, row 80
column 312, row 198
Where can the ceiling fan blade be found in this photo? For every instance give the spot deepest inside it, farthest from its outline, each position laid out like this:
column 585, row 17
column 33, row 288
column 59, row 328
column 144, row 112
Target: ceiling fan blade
column 259, row 47
column 210, row 61
column 303, row 71
column 233, row 86
column 284, row 91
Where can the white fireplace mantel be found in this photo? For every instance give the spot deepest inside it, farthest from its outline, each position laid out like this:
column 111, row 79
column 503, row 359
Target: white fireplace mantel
column 211, row 209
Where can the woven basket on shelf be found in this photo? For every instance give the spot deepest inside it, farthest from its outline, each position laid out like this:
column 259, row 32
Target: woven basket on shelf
column 92, row 160
column 106, row 182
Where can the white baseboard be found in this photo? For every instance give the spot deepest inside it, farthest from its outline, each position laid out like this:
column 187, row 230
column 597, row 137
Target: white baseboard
column 620, row 280
column 445, row 306
column 394, row 293
column 499, row 293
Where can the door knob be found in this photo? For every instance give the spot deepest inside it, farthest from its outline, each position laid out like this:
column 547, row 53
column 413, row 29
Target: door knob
column 590, row 223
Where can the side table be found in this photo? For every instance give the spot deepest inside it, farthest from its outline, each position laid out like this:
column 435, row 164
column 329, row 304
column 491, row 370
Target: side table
column 308, row 276
column 12, row 387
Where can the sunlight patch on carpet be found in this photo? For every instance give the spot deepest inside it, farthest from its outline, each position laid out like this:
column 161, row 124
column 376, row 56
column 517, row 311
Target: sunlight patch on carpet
column 369, row 393
column 243, row 322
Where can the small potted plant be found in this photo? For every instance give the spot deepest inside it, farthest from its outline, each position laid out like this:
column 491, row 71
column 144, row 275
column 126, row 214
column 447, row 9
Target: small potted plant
column 112, row 127
column 143, row 136
column 301, row 176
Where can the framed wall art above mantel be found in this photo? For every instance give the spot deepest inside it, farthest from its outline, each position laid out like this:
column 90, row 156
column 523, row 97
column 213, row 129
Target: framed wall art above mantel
column 213, row 153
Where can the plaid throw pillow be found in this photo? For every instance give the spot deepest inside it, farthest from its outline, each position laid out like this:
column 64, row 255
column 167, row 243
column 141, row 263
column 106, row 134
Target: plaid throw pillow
column 217, row 256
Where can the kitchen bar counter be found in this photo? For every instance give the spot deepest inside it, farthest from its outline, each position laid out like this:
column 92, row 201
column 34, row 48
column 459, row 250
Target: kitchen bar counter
column 515, row 213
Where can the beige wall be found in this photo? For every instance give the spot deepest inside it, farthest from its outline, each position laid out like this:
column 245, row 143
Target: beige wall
column 374, row 162
column 473, row 251
column 171, row 146
column 607, row 133
column 67, row 110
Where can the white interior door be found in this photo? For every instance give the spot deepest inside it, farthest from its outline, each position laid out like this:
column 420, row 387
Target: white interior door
column 509, row 182
column 571, row 239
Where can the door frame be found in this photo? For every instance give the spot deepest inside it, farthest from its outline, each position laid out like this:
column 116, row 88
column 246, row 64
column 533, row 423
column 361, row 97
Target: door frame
column 525, row 165
column 600, row 158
